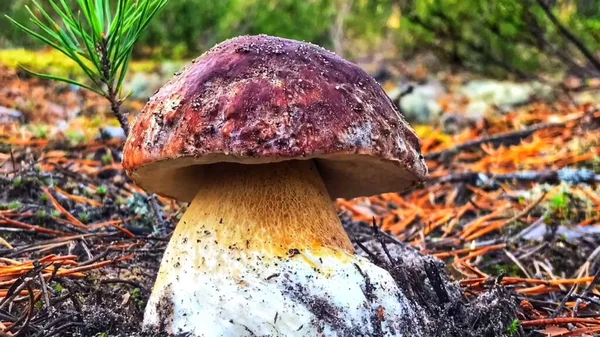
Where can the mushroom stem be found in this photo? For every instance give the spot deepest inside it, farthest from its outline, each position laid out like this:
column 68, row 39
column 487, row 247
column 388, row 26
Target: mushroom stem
column 272, row 208
column 245, row 224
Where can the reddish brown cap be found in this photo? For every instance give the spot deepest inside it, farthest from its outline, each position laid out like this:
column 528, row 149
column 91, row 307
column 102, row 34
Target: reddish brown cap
column 260, row 99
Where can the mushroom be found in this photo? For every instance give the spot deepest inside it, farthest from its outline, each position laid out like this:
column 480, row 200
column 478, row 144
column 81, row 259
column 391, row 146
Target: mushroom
column 259, row 134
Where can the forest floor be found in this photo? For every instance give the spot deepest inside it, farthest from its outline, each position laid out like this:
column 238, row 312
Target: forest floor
column 512, row 201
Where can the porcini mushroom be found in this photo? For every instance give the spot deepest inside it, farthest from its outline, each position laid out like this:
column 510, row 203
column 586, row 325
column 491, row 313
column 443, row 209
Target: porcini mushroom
column 259, row 134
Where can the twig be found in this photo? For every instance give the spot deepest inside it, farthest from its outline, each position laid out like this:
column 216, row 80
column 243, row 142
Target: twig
column 564, row 300
column 72, row 219
column 517, row 262
column 38, row 229
column 44, row 289
column 503, row 138
column 479, row 179
column 29, row 313
column 587, row 290
column 559, row 320
column 436, row 282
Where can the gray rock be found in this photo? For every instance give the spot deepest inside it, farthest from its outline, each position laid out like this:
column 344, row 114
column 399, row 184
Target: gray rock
column 8, row 116
column 503, row 94
column 167, row 69
column 110, row 132
column 455, row 123
column 143, row 85
column 539, row 230
column 477, row 110
column 420, row 105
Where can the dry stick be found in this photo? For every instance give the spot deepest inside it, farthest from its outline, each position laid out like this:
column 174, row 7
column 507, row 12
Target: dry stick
column 559, row 320
column 48, row 326
column 63, row 240
column 563, row 302
column 587, row 290
column 517, row 262
column 516, row 217
column 541, row 177
column 44, row 290
column 29, row 314
column 494, row 139
column 570, row 36
column 19, row 224
column 16, row 290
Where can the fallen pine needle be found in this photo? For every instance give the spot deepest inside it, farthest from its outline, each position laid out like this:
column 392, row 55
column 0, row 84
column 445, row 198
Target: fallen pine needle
column 74, row 221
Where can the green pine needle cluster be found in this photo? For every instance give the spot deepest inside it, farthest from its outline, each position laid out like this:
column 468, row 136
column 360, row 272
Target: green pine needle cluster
column 98, row 37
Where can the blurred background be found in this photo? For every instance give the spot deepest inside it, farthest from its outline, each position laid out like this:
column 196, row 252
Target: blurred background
column 514, row 33
column 504, row 95
column 418, row 50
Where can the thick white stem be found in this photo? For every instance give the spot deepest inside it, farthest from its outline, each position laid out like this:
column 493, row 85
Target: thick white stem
column 261, row 252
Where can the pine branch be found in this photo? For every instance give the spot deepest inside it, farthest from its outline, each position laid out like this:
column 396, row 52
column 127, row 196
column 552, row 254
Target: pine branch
column 98, row 41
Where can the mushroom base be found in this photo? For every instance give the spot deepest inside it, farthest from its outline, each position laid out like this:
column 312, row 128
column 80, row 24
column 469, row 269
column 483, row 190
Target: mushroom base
column 261, row 252
column 275, row 297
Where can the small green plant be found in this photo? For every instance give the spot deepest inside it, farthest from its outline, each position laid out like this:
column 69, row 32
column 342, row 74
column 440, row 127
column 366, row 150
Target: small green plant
column 40, row 131
column 17, row 182
column 75, row 137
column 560, row 206
column 88, row 193
column 513, row 328
column 84, row 217
column 107, row 159
column 560, row 201
column 102, row 190
column 99, row 42
column 56, row 214
column 41, row 214
column 44, row 197
column 136, row 296
column 57, row 287
column 15, row 205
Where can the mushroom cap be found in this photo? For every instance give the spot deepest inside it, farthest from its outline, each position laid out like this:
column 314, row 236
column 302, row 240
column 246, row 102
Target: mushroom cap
column 263, row 99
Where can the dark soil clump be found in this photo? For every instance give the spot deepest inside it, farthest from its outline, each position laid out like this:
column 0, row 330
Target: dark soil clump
column 425, row 280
